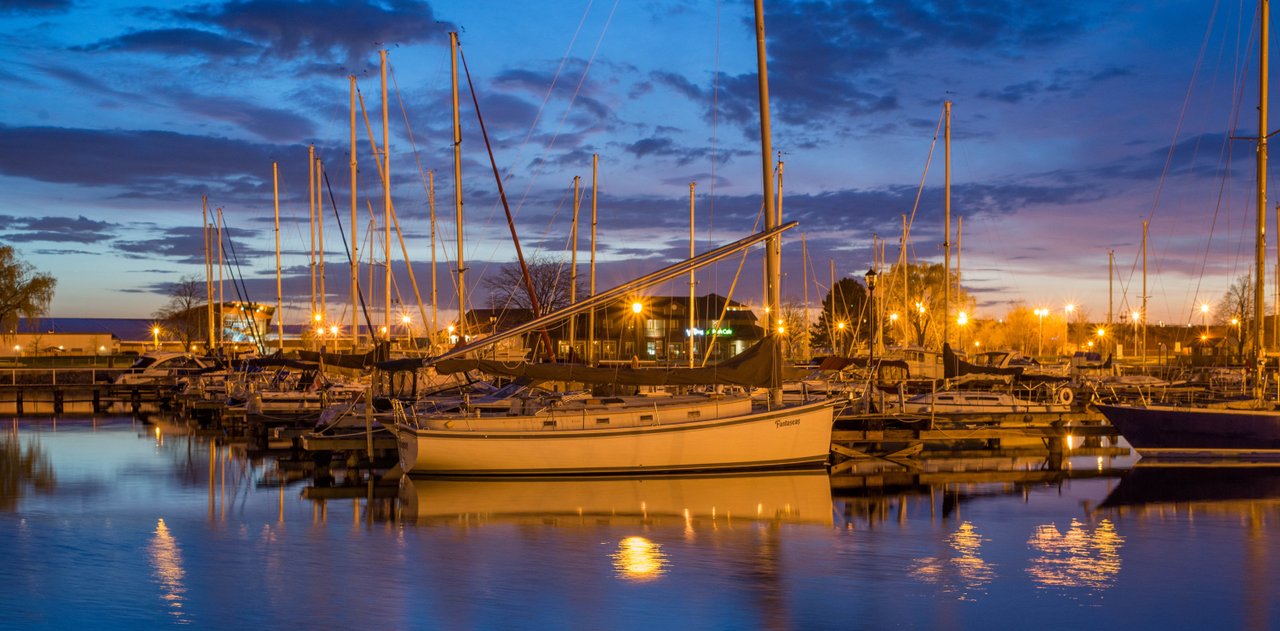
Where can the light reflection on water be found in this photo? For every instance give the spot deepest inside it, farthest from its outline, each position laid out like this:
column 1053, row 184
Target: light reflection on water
column 118, row 525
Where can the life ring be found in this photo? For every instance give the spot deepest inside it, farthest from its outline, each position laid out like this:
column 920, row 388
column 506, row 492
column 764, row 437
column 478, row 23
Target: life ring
column 1066, row 396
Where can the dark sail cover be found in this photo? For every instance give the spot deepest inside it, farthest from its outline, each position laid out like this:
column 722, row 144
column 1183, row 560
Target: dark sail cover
column 752, row 367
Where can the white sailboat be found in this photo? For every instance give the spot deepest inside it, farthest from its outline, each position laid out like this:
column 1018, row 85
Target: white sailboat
column 698, row 432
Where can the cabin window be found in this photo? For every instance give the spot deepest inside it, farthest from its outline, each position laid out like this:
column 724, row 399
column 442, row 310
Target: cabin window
column 694, row 414
column 602, row 421
column 548, row 424
column 646, row 417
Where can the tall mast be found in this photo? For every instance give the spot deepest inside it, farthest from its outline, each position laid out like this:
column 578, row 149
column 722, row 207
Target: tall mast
column 573, row 264
column 275, row 198
column 355, row 244
column 1143, row 317
column 946, row 237
column 457, row 190
column 386, row 199
column 431, row 203
column 221, row 317
column 591, row 315
column 773, row 247
column 1260, row 251
column 804, row 274
column 321, row 301
column 311, row 213
column 1111, row 285
column 693, row 298
column 208, row 267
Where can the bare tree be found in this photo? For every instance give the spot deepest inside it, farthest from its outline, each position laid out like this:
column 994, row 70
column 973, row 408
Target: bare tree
column 1236, row 311
column 23, row 292
column 180, row 316
column 550, row 278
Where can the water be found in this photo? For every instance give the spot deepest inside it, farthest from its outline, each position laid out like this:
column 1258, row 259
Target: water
column 111, row 524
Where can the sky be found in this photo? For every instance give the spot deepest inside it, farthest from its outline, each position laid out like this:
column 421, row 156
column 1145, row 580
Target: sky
column 1072, row 123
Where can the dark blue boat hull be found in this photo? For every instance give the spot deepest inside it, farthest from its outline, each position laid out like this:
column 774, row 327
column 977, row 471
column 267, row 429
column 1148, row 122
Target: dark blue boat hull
column 1188, row 432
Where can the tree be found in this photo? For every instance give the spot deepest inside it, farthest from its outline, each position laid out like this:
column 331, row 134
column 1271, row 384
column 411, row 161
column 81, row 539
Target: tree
column 550, row 279
column 1237, row 307
column 843, row 319
column 913, row 300
column 792, row 317
column 181, row 316
column 24, row 293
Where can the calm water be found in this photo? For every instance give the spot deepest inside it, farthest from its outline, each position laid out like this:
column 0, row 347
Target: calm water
column 108, row 523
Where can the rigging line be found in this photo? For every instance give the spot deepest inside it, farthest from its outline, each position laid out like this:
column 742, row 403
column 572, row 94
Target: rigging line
column 346, row 248
column 242, row 290
column 502, row 195
column 569, row 106
column 724, row 310
column 227, row 263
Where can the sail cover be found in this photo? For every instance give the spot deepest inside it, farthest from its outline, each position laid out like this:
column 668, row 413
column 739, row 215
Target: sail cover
column 751, row 368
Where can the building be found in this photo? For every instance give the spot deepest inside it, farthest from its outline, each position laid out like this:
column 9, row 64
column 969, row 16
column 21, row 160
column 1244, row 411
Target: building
column 647, row 328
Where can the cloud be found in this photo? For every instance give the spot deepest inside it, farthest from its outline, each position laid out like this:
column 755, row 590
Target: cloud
column 175, row 41
column 340, row 31
column 55, row 229
column 35, row 6
column 275, row 125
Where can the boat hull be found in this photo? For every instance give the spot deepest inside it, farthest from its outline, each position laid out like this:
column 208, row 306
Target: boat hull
column 1193, row 433
column 787, row 437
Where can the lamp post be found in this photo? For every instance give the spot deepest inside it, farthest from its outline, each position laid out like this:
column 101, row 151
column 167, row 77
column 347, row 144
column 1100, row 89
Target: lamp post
column 871, row 299
column 1041, row 313
column 155, row 337
column 637, row 309
column 1204, row 319
column 408, row 328
column 962, row 319
column 1069, row 309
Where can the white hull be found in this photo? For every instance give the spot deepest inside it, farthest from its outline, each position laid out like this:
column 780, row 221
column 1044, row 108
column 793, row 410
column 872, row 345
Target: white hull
column 785, row 437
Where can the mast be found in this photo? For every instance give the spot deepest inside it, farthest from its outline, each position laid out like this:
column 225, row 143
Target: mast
column 573, row 265
column 355, row 245
column 1260, row 247
column 693, row 298
column 1111, row 285
column 457, row 189
column 221, row 317
column 311, row 213
column 591, row 315
column 321, row 299
column 1144, row 292
column 773, row 247
column 804, row 274
column 431, row 203
column 208, row 267
column 946, row 237
column 275, row 198
column 386, row 199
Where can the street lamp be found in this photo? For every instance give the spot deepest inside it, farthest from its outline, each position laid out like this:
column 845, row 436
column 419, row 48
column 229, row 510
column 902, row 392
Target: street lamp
column 1069, row 309
column 407, row 321
column 155, row 337
column 1041, row 313
column 1204, row 318
column 961, row 320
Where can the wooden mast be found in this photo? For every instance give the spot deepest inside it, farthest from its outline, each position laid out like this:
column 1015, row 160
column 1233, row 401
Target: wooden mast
column 311, row 214
column 221, row 317
column 275, row 198
column 773, row 247
column 693, row 296
column 386, row 201
column 946, row 237
column 208, row 267
column 1259, row 299
column 431, row 203
column 355, row 244
column 591, row 315
column 573, row 265
column 320, row 300
column 457, row 190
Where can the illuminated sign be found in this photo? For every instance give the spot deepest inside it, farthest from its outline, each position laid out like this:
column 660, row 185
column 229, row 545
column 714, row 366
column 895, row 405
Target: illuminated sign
column 721, row 331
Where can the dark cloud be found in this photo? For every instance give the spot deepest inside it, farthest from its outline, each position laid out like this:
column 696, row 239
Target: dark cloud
column 124, row 157
column 176, row 41
column 270, row 124
column 185, row 244
column 55, row 229
column 341, row 31
column 35, row 6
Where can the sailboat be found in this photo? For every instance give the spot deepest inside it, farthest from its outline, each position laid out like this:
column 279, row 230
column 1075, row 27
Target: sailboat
column 704, row 431
column 1251, row 432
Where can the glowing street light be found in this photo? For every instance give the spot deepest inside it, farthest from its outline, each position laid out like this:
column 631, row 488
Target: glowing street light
column 637, row 307
column 1041, row 313
column 155, row 337
column 1204, row 318
column 1069, row 308
column 962, row 319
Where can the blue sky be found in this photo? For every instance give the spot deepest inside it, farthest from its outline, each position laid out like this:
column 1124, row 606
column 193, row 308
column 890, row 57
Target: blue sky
column 118, row 116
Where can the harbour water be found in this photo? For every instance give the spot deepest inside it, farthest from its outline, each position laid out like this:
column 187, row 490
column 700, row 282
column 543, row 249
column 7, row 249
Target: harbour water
column 109, row 523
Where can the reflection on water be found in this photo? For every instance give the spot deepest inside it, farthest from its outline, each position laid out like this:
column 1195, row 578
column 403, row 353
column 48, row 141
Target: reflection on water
column 166, row 564
column 23, row 467
column 639, row 560
column 225, row 537
column 1080, row 557
column 964, row 572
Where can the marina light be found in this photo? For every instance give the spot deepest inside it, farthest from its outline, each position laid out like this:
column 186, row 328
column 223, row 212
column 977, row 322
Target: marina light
column 320, row 331
column 840, row 325
column 893, row 317
column 333, row 330
column 405, row 319
column 1136, row 316
column 637, row 307
column 1204, row 309
column 317, row 317
column 1102, row 332
column 962, row 318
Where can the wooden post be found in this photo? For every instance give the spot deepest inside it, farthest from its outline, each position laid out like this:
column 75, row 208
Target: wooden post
column 17, row 401
column 97, row 401
column 57, row 400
